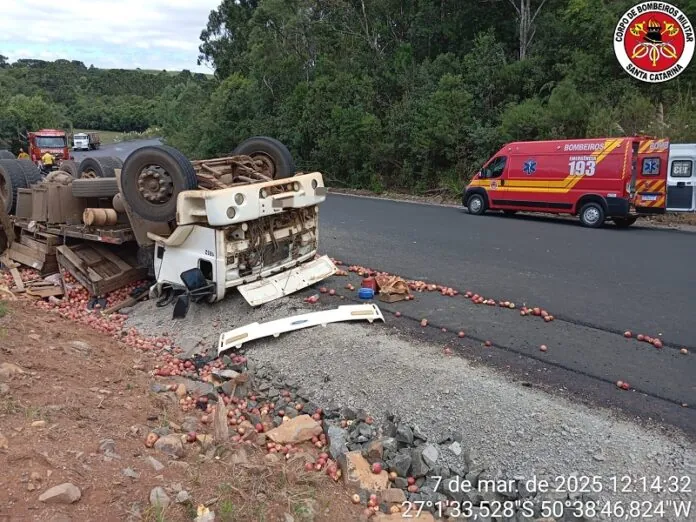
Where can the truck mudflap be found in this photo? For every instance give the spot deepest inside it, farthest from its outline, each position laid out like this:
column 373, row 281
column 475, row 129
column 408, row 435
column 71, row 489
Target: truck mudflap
column 251, row 332
column 288, row 282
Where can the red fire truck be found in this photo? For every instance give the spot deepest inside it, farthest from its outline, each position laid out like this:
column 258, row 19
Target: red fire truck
column 48, row 140
column 596, row 179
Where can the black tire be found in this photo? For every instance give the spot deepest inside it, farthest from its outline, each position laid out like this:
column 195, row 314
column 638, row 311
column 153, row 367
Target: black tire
column 625, row 222
column 276, row 156
column 32, row 173
column 6, row 154
column 95, row 188
column 170, row 162
column 99, row 167
column 71, row 167
column 476, row 204
column 11, row 178
column 592, row 215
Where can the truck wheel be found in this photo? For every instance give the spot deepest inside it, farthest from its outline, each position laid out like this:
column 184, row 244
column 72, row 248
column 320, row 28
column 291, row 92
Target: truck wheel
column 152, row 178
column 275, row 157
column 476, row 204
column 99, row 167
column 624, row 222
column 11, row 178
column 32, row 174
column 95, row 188
column 71, row 167
column 6, row 154
column 592, row 215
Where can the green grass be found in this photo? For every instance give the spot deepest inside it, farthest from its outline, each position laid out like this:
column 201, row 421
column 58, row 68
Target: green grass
column 3, row 309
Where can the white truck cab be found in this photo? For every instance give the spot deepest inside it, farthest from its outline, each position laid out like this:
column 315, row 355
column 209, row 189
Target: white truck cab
column 261, row 238
column 80, row 141
column 681, row 178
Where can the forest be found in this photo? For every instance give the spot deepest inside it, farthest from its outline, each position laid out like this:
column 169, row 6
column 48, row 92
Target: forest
column 382, row 94
column 37, row 94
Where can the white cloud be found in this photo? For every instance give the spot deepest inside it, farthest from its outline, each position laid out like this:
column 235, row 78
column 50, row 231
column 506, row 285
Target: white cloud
column 150, row 34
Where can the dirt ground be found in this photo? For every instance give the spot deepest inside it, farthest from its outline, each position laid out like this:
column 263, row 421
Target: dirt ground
column 76, row 406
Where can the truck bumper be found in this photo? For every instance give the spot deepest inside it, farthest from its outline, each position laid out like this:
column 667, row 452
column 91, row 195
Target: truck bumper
column 618, row 207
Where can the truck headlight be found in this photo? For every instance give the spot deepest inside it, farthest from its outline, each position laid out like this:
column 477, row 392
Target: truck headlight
column 314, row 184
column 239, row 199
column 296, row 186
column 264, row 193
column 231, row 212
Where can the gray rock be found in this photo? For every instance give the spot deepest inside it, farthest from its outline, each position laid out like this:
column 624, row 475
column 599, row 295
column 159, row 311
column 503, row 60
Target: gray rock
column 159, row 498
column 291, row 412
column 158, row 388
column 419, row 468
column 430, row 455
column 156, row 464
column 348, row 414
column 273, row 394
column 130, row 473
column 404, row 434
column 390, row 447
column 401, row 463
column 66, row 493
column 365, row 430
column 419, row 434
column 182, row 497
column 455, row 448
column 401, row 482
column 337, row 438
column 389, row 429
column 170, row 445
column 361, row 415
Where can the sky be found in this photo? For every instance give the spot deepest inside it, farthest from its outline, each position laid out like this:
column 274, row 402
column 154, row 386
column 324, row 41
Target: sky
column 127, row 34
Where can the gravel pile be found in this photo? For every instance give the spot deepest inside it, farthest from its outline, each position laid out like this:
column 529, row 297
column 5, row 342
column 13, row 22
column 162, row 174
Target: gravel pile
column 434, row 415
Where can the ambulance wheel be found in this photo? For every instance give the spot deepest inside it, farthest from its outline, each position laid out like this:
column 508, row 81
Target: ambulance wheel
column 592, row 215
column 476, row 204
column 624, row 222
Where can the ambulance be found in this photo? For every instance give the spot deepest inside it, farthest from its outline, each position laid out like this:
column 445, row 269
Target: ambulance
column 617, row 179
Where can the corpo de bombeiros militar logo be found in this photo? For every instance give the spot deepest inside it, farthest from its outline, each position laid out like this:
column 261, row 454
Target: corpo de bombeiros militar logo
column 654, row 42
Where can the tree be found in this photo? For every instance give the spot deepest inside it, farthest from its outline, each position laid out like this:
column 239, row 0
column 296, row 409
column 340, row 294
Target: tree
column 525, row 23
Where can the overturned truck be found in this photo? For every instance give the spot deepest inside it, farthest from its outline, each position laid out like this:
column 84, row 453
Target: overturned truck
column 246, row 221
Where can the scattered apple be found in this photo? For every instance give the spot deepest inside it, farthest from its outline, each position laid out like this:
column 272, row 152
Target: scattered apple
column 628, row 334
column 461, row 334
column 543, row 348
column 684, row 351
column 377, row 468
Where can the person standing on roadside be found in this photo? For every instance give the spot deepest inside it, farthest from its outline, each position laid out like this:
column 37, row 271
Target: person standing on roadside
column 22, row 154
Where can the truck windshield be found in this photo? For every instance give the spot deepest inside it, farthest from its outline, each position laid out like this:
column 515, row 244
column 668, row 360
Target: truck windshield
column 50, row 142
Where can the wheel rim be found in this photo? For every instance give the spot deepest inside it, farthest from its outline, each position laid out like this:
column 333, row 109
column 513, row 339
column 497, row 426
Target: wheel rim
column 592, row 215
column 89, row 174
column 265, row 163
column 155, row 184
column 475, row 204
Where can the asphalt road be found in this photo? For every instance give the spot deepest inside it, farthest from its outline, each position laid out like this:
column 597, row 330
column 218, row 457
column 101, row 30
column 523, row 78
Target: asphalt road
column 597, row 283
column 120, row 150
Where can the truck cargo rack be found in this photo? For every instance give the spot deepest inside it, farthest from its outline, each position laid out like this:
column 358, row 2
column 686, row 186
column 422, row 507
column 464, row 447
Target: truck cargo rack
column 115, row 235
